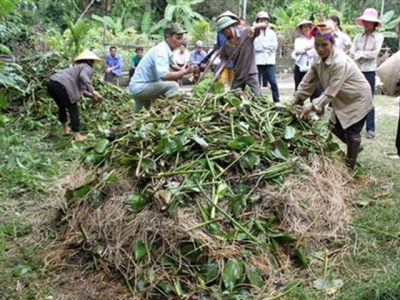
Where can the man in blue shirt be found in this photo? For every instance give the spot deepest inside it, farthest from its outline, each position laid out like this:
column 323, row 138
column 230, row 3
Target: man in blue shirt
column 113, row 64
column 196, row 58
column 152, row 77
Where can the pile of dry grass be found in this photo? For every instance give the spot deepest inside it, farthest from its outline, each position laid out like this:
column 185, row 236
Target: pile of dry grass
column 312, row 206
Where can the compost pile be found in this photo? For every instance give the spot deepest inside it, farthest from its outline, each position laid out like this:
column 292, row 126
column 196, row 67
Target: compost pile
column 205, row 193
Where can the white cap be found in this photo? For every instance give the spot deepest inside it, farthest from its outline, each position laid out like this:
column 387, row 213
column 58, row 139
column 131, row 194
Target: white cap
column 199, row 44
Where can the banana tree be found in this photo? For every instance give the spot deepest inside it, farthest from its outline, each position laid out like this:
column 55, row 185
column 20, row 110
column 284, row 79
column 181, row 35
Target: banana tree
column 389, row 25
column 181, row 11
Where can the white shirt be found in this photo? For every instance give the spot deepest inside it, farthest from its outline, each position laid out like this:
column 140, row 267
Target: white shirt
column 265, row 46
column 342, row 40
column 181, row 58
column 303, row 59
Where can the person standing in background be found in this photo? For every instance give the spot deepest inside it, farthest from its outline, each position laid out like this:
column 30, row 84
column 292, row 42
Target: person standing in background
column 342, row 40
column 227, row 74
column 135, row 60
column 265, row 46
column 365, row 50
column 113, row 64
column 303, row 55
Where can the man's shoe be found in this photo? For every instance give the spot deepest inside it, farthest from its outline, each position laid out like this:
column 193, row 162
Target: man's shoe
column 279, row 105
column 370, row 134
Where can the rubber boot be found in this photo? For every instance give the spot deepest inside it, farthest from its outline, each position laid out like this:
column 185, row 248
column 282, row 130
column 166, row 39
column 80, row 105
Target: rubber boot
column 341, row 135
column 353, row 148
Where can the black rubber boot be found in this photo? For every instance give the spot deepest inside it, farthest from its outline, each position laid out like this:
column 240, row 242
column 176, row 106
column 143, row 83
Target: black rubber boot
column 353, row 148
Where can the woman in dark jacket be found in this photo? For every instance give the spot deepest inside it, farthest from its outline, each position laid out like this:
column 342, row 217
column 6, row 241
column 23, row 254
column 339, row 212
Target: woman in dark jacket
column 69, row 85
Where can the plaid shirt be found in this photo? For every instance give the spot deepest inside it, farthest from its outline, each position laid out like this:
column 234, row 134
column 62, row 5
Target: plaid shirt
column 365, row 50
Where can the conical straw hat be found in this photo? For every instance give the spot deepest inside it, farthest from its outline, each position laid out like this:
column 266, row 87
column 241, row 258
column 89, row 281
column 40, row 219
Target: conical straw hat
column 389, row 71
column 87, row 55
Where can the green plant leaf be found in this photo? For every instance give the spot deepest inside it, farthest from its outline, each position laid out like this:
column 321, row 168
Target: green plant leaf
column 329, row 286
column 3, row 101
column 254, row 275
column 136, row 202
column 281, row 150
column 21, row 270
column 250, row 160
column 101, row 146
column 140, row 249
column 241, row 143
column 233, row 272
column 237, row 204
column 290, row 132
column 82, row 191
column 210, row 271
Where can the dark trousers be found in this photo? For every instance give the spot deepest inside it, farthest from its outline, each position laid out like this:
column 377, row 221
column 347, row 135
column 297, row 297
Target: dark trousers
column 250, row 80
column 370, row 76
column 298, row 77
column 131, row 73
column 58, row 92
column 108, row 77
column 267, row 72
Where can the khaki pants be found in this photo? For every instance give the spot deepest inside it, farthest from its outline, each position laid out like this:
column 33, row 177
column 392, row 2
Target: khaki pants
column 227, row 77
column 153, row 90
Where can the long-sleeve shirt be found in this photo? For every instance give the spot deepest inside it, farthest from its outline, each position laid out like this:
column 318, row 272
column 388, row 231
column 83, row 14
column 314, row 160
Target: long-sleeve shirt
column 365, row 50
column 114, row 61
column 265, row 46
column 345, row 87
column 76, row 79
column 303, row 59
column 342, row 40
column 196, row 57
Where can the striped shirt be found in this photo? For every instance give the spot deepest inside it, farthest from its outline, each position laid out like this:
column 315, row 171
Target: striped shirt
column 365, row 50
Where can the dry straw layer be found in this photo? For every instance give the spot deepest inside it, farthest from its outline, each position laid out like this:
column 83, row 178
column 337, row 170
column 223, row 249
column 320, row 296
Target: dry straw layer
column 314, row 207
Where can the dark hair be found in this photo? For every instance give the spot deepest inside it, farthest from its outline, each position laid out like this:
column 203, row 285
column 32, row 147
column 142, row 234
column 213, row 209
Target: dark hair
column 183, row 43
column 86, row 61
column 138, row 49
column 113, row 47
column 336, row 19
column 332, row 40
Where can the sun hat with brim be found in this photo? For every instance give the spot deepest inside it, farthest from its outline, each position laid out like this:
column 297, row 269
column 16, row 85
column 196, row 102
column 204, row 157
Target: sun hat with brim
column 174, row 28
column 262, row 15
column 87, row 55
column 388, row 73
column 225, row 22
column 304, row 22
column 370, row 15
column 322, row 31
column 229, row 14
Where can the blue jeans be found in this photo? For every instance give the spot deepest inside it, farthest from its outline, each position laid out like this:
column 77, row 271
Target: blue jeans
column 268, row 72
column 370, row 76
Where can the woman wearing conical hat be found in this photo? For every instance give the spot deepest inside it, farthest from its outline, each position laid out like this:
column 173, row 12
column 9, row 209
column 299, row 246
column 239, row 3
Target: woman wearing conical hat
column 365, row 50
column 345, row 88
column 69, row 85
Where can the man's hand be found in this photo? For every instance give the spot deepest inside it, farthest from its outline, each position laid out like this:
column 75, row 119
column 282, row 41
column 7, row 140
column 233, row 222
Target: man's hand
column 108, row 69
column 97, row 97
column 304, row 113
column 192, row 69
column 251, row 31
